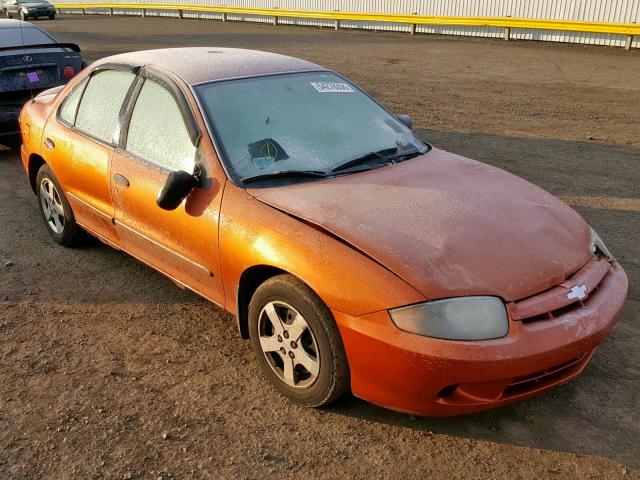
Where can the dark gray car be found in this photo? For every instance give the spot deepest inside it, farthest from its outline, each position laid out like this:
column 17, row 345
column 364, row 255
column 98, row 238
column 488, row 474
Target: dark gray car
column 25, row 9
column 31, row 61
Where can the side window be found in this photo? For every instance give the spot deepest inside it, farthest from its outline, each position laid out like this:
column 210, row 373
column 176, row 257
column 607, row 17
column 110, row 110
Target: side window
column 157, row 132
column 101, row 102
column 70, row 105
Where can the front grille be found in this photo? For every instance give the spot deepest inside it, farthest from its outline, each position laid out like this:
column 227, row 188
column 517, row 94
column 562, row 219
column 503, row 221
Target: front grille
column 573, row 293
column 505, row 389
column 543, row 378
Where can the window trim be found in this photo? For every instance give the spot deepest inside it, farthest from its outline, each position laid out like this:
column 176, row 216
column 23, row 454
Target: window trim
column 188, row 117
column 81, row 85
column 134, row 69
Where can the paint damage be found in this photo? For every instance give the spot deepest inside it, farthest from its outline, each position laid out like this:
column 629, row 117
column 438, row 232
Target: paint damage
column 448, row 225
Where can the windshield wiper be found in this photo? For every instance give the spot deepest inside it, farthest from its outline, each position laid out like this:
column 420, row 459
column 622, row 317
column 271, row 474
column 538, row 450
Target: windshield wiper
column 284, row 174
column 406, row 155
column 383, row 154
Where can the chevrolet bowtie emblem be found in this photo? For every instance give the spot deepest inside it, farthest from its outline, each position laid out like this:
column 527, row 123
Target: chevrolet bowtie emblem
column 27, row 58
column 577, row 292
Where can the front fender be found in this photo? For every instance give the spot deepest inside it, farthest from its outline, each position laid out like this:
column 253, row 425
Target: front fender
column 252, row 233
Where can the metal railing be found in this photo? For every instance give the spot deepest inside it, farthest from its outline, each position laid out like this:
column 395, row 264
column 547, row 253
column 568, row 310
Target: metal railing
column 507, row 23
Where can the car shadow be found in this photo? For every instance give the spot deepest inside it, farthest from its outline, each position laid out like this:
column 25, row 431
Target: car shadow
column 564, row 420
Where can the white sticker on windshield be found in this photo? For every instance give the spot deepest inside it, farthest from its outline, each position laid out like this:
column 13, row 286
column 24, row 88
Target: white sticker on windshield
column 332, row 87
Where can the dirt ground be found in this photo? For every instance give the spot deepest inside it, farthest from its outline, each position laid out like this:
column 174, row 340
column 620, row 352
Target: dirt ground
column 108, row 370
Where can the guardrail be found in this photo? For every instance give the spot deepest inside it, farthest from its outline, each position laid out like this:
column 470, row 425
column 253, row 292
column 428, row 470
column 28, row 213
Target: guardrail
column 508, row 23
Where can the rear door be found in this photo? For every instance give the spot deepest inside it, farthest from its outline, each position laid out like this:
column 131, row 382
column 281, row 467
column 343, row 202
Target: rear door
column 161, row 135
column 79, row 141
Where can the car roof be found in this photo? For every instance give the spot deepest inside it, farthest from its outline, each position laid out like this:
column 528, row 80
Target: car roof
column 13, row 23
column 197, row 65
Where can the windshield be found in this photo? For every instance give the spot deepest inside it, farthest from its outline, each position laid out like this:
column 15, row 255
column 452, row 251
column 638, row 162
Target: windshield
column 303, row 122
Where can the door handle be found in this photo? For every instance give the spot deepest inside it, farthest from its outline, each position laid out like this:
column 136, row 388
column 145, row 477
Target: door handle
column 50, row 144
column 121, row 180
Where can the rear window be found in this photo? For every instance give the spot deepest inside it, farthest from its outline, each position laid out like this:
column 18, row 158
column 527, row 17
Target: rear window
column 70, row 105
column 13, row 37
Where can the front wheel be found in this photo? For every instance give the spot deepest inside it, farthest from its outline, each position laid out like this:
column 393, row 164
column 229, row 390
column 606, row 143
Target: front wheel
column 297, row 342
column 56, row 210
column 52, row 16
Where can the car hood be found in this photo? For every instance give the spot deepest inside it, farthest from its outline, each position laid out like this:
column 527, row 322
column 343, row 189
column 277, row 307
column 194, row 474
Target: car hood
column 36, row 5
column 447, row 225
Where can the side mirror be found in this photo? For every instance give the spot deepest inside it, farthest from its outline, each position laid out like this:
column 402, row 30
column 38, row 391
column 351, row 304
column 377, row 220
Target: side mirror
column 176, row 189
column 407, row 120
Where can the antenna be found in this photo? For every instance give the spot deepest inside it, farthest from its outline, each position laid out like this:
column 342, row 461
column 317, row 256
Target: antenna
column 24, row 46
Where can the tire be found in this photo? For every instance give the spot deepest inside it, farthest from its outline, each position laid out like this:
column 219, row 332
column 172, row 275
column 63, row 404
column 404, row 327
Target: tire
column 13, row 142
column 316, row 371
column 52, row 17
column 56, row 211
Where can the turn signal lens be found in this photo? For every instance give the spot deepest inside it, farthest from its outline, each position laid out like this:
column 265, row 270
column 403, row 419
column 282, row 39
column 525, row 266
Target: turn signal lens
column 598, row 248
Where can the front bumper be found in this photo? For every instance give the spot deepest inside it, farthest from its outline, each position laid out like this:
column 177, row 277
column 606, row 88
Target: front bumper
column 426, row 376
column 42, row 12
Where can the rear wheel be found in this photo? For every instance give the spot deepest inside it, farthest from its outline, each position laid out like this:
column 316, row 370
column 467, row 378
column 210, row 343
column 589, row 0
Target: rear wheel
column 56, row 211
column 52, row 16
column 297, row 342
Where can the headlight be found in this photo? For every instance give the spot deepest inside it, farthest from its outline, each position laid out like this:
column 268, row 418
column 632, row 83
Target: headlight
column 598, row 247
column 462, row 318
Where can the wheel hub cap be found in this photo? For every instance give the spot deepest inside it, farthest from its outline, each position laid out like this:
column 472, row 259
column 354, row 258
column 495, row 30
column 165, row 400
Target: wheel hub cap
column 296, row 361
column 52, row 206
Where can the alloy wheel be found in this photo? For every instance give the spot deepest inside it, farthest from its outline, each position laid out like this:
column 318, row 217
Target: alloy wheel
column 288, row 344
column 52, row 207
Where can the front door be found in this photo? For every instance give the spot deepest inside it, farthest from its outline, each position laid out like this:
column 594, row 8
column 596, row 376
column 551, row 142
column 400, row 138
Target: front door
column 182, row 243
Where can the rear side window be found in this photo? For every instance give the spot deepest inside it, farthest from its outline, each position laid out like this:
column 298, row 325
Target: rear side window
column 101, row 103
column 70, row 105
column 157, row 132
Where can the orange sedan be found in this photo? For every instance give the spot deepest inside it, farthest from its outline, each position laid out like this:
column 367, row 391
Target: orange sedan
column 353, row 255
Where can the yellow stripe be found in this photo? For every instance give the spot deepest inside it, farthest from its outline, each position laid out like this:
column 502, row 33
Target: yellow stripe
column 604, row 203
column 501, row 22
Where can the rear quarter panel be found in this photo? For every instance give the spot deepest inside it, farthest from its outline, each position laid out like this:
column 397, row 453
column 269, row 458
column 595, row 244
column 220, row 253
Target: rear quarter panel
column 33, row 119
